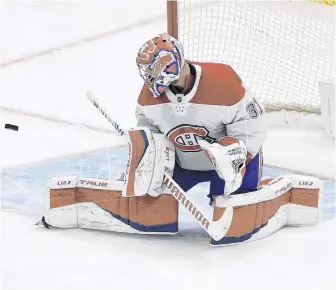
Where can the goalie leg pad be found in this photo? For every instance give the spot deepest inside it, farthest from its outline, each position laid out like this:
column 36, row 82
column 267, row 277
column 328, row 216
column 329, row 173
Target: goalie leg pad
column 305, row 200
column 98, row 204
column 287, row 200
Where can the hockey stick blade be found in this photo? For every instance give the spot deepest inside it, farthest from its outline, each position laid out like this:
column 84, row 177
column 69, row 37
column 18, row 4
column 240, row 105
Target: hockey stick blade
column 215, row 229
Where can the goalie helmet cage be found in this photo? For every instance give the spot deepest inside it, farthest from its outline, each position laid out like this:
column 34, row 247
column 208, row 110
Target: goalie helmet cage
column 281, row 49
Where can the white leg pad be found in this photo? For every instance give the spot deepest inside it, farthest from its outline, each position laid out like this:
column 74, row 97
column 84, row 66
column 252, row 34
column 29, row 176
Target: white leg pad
column 61, row 216
column 93, row 203
column 306, row 196
column 290, row 200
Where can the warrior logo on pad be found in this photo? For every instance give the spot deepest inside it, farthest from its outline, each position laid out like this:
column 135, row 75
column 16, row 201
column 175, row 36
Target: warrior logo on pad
column 184, row 137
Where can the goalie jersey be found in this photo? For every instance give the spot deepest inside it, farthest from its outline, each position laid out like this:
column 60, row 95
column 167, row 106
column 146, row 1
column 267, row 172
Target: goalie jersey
column 217, row 105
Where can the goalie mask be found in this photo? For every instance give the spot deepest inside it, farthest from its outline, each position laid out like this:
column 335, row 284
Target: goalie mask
column 160, row 61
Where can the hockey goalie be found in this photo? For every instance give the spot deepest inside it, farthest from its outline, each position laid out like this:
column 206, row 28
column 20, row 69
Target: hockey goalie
column 197, row 122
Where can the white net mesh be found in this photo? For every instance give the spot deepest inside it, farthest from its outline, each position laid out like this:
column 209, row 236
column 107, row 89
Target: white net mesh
column 281, row 49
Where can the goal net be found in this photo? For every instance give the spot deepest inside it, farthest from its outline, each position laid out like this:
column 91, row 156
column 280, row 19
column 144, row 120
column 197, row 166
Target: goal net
column 281, row 49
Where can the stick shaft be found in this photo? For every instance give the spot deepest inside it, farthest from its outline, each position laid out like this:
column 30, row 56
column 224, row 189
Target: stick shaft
column 114, row 123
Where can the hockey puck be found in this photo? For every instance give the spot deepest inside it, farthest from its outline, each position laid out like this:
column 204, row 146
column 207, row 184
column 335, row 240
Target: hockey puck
column 11, row 127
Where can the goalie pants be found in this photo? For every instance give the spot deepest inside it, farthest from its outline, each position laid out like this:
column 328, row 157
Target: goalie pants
column 187, row 179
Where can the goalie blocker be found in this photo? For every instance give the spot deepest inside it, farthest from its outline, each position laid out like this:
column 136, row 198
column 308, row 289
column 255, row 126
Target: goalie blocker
column 123, row 207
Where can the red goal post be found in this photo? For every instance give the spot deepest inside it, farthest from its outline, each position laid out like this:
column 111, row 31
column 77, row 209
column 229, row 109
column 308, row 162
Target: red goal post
column 282, row 49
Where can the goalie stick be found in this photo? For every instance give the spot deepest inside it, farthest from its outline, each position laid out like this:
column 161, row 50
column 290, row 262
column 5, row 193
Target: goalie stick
column 216, row 229
column 115, row 125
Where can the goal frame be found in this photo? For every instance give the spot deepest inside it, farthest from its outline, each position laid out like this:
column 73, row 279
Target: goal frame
column 172, row 18
column 173, row 26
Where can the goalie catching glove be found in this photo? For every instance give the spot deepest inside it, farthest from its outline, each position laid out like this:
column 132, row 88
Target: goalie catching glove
column 228, row 157
column 151, row 155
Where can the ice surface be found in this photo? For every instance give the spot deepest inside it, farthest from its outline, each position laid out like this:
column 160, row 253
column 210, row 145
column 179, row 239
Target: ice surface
column 34, row 258
column 39, row 140
column 54, row 85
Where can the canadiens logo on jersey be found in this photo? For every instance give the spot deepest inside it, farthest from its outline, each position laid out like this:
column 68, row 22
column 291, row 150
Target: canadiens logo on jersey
column 185, row 137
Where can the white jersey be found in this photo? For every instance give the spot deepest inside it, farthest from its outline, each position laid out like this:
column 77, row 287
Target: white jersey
column 218, row 105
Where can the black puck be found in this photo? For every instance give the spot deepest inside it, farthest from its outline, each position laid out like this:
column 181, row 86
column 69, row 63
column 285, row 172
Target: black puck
column 11, row 127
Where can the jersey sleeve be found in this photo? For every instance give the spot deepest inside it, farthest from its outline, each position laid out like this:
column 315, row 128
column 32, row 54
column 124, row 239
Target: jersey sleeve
column 246, row 121
column 143, row 121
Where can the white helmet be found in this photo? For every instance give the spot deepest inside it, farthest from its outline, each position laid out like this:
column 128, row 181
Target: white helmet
column 160, row 61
